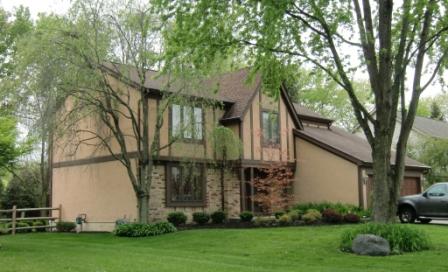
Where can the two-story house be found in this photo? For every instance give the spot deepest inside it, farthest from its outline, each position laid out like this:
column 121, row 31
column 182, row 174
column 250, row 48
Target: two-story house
column 329, row 165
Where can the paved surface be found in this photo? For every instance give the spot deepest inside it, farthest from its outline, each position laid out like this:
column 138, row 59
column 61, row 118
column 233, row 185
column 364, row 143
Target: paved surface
column 439, row 222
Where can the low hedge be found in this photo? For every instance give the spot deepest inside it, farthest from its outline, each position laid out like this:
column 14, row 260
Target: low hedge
column 402, row 238
column 218, row 217
column 246, row 216
column 201, row 218
column 65, row 226
column 338, row 207
column 177, row 218
column 144, row 230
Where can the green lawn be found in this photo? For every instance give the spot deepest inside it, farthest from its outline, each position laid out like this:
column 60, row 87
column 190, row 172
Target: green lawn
column 276, row 249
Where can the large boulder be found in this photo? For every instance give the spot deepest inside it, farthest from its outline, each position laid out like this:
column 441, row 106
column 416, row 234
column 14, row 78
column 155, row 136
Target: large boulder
column 371, row 245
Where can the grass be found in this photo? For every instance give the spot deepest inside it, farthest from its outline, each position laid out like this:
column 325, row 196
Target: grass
column 275, row 249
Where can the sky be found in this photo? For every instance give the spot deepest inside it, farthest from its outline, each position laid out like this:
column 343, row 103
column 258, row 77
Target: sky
column 61, row 6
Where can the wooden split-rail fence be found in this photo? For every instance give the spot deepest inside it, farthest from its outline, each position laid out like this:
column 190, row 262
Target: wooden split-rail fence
column 15, row 215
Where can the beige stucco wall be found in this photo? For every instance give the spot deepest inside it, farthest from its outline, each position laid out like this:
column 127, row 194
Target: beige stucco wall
column 103, row 192
column 323, row 176
column 252, row 133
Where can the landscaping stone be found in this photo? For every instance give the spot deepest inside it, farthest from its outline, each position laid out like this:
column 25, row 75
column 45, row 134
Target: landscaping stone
column 370, row 245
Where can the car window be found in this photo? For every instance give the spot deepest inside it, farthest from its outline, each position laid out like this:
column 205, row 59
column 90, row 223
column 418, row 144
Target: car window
column 437, row 190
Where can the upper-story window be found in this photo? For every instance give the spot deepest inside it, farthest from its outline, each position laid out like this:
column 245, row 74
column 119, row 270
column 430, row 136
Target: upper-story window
column 270, row 128
column 186, row 122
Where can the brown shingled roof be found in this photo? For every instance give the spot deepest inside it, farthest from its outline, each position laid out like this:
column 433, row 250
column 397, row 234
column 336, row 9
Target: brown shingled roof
column 346, row 145
column 431, row 127
column 232, row 88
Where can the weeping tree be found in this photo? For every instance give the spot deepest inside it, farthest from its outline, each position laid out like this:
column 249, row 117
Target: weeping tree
column 227, row 148
column 392, row 42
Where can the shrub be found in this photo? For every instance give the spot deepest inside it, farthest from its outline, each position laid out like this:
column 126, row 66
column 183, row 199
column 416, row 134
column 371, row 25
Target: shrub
column 19, row 225
column 218, row 217
column 294, row 215
column 331, row 216
column 338, row 207
column 402, row 238
column 144, row 230
column 246, row 216
column 64, row 226
column 201, row 218
column 177, row 218
column 311, row 216
column 352, row 218
column 285, row 220
column 278, row 214
column 265, row 221
column 39, row 223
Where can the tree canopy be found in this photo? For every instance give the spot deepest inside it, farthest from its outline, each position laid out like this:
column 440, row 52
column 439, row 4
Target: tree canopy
column 388, row 40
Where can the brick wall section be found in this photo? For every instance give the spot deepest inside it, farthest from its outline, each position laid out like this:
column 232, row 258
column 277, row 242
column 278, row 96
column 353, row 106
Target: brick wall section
column 159, row 211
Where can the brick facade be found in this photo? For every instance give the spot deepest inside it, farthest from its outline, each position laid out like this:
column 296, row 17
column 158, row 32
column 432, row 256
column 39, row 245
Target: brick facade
column 159, row 211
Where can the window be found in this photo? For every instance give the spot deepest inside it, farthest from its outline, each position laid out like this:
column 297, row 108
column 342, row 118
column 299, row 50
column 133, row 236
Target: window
column 270, row 128
column 437, row 190
column 185, row 185
column 186, row 122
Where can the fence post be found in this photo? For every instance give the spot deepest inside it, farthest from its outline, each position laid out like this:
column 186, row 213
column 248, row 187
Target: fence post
column 14, row 217
column 60, row 212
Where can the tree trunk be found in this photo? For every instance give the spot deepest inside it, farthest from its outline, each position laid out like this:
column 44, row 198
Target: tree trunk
column 143, row 208
column 383, row 181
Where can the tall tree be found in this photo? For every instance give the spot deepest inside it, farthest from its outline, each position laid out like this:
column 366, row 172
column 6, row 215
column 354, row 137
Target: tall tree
column 316, row 91
column 389, row 40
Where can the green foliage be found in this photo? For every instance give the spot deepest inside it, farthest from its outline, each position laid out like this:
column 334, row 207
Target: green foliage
column 201, row 218
column 402, row 238
column 316, row 91
column 24, row 189
column 144, row 230
column 338, row 207
column 177, row 218
column 39, row 223
column 294, row 215
column 226, row 144
column 312, row 216
column 65, row 226
column 432, row 152
column 19, row 224
column 246, row 216
column 434, row 107
column 285, row 220
column 218, row 217
column 265, row 221
column 278, row 214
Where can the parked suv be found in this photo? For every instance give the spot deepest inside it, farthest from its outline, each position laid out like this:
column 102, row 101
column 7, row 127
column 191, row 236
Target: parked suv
column 433, row 203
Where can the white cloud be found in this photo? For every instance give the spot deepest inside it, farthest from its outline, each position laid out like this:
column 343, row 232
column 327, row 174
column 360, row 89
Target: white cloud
column 38, row 6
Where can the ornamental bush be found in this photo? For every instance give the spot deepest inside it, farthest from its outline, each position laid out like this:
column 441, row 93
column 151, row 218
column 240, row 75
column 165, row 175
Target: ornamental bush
column 294, row 215
column 331, row 216
column 312, row 216
column 352, row 218
column 144, row 230
column 285, row 220
column 65, row 226
column 218, row 217
column 402, row 238
column 265, row 221
column 246, row 216
column 177, row 218
column 278, row 214
column 19, row 225
column 201, row 218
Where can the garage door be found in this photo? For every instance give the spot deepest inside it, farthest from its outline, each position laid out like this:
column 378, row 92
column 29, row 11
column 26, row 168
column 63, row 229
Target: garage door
column 410, row 186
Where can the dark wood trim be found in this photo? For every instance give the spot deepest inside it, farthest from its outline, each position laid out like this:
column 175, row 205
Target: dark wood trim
column 242, row 190
column 287, row 138
column 263, row 164
column 260, row 105
column 279, row 120
column 290, row 106
column 252, row 191
column 169, row 203
column 360, row 188
column 252, row 134
column 326, row 122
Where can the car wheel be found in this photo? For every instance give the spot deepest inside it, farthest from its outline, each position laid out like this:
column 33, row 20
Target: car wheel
column 425, row 220
column 407, row 215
